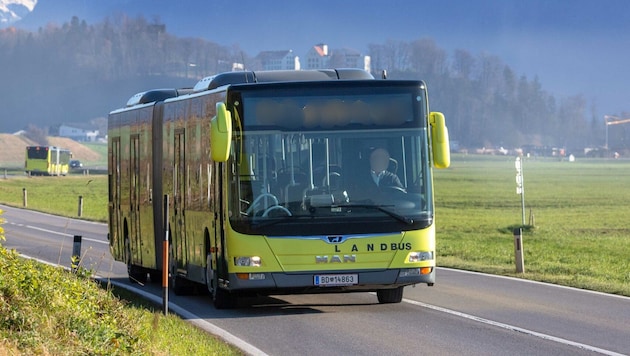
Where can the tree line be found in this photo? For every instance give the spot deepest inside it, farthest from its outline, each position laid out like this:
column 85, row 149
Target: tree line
column 78, row 72
column 487, row 104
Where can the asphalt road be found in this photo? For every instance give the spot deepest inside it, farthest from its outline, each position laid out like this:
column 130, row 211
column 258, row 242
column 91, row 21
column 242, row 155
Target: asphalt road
column 463, row 314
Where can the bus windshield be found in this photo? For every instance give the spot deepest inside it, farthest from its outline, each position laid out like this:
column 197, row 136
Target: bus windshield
column 309, row 165
column 37, row 152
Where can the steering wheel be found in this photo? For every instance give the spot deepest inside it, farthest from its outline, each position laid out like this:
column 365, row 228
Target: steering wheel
column 396, row 189
column 259, row 198
column 276, row 207
column 331, row 176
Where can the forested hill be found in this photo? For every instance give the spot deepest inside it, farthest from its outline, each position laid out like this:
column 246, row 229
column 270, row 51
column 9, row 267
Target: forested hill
column 79, row 72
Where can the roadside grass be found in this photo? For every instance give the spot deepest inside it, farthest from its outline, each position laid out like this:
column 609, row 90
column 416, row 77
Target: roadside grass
column 46, row 310
column 580, row 235
column 59, row 195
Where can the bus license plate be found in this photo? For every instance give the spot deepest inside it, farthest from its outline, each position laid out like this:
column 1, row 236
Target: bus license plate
column 335, row 279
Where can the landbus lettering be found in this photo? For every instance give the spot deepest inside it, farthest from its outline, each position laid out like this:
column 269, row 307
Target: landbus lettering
column 396, row 246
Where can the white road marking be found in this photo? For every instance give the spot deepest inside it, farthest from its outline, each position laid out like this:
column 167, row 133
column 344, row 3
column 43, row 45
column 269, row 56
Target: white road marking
column 58, row 233
column 514, row 328
column 198, row 321
column 522, row 280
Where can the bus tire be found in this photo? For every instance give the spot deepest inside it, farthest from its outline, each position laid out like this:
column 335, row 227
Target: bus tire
column 177, row 284
column 223, row 299
column 136, row 274
column 388, row 296
column 210, row 282
column 155, row 276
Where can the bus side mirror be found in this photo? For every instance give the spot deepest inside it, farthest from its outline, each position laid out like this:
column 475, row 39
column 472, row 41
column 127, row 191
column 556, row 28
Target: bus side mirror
column 439, row 140
column 221, row 134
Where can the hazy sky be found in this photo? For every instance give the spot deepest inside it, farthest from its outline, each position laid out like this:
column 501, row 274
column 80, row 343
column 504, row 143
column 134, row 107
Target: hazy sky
column 573, row 46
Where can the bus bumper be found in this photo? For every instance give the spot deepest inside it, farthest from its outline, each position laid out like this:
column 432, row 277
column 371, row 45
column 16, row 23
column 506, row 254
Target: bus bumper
column 284, row 283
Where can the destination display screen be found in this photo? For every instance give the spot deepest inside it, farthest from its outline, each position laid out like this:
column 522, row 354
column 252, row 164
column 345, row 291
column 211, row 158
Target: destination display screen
column 294, row 109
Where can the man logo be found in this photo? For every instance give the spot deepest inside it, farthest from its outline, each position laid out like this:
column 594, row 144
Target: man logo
column 336, row 259
column 335, row 239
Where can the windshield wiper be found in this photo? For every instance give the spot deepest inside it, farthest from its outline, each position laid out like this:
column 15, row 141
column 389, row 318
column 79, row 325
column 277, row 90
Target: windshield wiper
column 382, row 208
column 405, row 219
column 258, row 223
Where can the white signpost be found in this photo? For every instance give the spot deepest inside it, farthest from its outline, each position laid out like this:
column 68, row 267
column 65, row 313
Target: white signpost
column 518, row 233
column 520, row 188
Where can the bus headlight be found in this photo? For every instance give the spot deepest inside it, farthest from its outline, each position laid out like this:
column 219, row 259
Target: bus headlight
column 419, row 256
column 247, row 261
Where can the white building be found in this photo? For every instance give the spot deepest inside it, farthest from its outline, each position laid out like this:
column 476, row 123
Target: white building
column 350, row 58
column 318, row 57
column 78, row 134
column 278, row 60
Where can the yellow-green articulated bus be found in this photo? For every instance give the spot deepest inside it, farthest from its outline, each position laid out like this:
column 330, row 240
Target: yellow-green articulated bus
column 278, row 182
column 47, row 160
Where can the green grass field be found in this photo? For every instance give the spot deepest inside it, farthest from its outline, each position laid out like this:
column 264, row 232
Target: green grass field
column 581, row 232
column 99, row 148
column 59, row 195
column 580, row 236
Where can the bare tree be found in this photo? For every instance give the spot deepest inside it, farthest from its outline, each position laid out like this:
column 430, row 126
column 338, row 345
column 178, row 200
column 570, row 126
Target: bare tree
column 37, row 134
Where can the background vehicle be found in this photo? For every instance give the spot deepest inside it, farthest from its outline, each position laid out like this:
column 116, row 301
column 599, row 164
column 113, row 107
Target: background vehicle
column 261, row 168
column 75, row 163
column 47, row 160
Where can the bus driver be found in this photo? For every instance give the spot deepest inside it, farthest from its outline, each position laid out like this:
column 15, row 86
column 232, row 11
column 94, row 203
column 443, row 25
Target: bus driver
column 379, row 161
column 378, row 178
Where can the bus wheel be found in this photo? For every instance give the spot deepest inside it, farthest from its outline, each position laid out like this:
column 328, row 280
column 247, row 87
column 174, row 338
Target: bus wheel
column 176, row 282
column 155, row 276
column 221, row 298
column 386, row 296
column 136, row 274
column 210, row 282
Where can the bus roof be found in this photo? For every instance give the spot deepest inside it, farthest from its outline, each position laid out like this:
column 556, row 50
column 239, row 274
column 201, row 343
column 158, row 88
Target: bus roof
column 150, row 96
column 219, row 80
column 222, row 79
